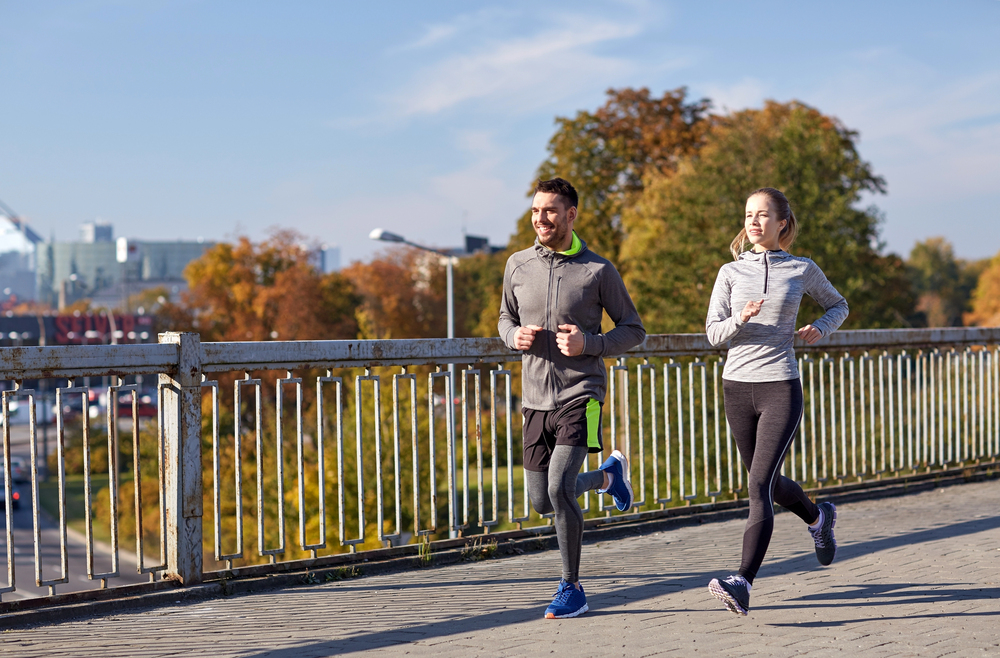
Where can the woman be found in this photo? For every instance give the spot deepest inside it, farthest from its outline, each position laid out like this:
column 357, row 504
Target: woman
column 754, row 305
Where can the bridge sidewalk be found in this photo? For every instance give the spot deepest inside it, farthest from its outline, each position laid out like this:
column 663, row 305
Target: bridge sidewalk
column 915, row 575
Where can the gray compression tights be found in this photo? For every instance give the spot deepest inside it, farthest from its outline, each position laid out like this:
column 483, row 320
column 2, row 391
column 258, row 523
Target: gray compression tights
column 556, row 490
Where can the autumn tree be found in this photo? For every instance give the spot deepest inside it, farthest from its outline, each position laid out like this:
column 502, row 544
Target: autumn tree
column 404, row 293
column 678, row 232
column 269, row 290
column 986, row 297
column 606, row 155
column 943, row 284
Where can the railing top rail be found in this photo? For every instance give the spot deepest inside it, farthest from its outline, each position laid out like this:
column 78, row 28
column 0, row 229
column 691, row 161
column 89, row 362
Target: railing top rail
column 293, row 355
column 96, row 360
column 72, row 361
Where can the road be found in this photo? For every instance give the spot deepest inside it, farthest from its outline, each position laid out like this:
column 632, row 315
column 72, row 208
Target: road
column 24, row 550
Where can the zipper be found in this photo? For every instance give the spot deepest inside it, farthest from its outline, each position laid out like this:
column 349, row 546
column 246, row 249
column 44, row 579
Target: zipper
column 765, row 273
column 548, row 322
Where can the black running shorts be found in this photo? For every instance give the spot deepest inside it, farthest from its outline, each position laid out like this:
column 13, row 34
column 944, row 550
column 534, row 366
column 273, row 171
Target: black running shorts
column 575, row 424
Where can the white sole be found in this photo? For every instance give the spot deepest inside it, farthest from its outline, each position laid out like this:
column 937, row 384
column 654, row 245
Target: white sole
column 719, row 592
column 579, row 612
column 617, row 454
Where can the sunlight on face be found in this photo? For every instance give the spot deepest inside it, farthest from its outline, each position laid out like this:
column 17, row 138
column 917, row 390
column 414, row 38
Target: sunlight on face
column 552, row 220
column 762, row 224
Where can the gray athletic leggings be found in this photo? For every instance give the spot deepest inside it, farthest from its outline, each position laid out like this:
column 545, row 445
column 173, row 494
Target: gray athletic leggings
column 556, row 490
column 764, row 417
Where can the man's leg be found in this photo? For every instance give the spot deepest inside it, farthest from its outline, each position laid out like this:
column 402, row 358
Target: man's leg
column 564, row 483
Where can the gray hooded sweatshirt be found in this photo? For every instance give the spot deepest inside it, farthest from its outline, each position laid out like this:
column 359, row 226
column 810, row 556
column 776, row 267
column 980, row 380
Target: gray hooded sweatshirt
column 548, row 288
column 761, row 350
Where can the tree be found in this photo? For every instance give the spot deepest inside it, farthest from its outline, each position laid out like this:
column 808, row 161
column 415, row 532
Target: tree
column 986, row 297
column 270, row 290
column 679, row 230
column 607, row 154
column 943, row 284
column 404, row 294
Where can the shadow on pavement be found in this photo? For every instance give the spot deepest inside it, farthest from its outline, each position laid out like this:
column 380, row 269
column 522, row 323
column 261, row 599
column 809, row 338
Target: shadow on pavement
column 894, row 594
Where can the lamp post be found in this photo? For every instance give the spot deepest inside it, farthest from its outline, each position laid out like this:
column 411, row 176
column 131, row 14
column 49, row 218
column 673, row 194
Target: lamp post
column 388, row 236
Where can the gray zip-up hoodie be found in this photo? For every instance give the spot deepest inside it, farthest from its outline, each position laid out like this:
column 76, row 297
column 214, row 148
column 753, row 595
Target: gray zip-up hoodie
column 548, row 288
column 761, row 350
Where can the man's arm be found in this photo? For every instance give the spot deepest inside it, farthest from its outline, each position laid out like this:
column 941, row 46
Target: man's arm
column 510, row 319
column 628, row 331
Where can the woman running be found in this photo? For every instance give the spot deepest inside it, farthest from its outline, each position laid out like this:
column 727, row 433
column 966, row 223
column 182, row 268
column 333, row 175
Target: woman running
column 754, row 305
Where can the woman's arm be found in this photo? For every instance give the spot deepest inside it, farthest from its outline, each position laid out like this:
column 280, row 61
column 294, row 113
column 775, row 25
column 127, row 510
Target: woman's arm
column 720, row 324
column 819, row 288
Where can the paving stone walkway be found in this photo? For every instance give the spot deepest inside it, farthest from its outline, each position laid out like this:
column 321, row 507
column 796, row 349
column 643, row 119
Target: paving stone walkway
column 915, row 575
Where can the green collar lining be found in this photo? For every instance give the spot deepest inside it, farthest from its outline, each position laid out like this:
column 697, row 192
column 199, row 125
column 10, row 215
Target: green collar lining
column 574, row 248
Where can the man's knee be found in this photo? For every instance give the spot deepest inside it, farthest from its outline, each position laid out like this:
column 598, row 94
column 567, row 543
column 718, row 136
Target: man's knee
column 541, row 506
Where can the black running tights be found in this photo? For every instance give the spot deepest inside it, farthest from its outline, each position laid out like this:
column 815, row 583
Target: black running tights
column 764, row 417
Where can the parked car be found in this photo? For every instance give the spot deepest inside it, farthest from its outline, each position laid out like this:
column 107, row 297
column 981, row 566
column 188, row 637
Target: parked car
column 20, row 472
column 146, row 407
column 15, row 495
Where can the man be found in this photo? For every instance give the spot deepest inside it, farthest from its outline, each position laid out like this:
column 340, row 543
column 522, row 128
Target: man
column 554, row 297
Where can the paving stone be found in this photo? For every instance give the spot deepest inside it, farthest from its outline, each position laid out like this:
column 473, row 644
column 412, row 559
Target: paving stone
column 916, row 575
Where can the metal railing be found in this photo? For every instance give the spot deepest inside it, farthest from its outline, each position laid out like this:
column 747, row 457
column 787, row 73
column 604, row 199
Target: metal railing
column 265, row 432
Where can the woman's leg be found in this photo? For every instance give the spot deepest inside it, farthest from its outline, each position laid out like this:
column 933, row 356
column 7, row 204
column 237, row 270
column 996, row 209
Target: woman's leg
column 779, row 405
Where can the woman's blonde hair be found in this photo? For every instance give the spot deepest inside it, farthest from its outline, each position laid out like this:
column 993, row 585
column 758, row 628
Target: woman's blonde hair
column 787, row 236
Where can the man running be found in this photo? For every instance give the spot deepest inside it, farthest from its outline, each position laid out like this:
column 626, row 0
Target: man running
column 554, row 297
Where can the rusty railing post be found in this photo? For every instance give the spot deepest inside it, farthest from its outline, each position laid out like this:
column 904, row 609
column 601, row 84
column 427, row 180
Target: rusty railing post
column 181, row 422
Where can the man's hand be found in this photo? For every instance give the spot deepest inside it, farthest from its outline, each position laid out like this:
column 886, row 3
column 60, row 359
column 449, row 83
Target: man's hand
column 751, row 309
column 570, row 340
column 810, row 334
column 525, row 336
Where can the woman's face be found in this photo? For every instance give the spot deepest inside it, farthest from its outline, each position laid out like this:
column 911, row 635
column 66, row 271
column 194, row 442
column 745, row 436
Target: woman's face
column 762, row 224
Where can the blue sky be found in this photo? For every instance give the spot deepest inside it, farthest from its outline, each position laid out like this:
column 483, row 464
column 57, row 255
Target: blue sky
column 188, row 118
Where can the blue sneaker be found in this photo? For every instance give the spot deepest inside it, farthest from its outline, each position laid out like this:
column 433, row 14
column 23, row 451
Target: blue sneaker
column 568, row 602
column 621, row 488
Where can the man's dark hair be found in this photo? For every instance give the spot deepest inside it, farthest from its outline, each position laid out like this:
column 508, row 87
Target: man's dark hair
column 562, row 188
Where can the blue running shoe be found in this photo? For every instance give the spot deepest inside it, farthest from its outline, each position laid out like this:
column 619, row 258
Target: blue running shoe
column 621, row 489
column 568, row 602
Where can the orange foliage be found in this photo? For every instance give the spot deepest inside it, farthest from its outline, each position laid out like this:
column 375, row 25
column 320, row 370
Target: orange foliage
column 986, row 298
column 268, row 291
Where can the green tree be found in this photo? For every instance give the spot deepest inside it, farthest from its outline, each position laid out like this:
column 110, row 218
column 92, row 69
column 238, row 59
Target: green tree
column 943, row 284
column 678, row 233
column 607, row 154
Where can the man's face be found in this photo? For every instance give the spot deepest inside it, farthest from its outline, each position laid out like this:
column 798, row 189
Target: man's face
column 552, row 221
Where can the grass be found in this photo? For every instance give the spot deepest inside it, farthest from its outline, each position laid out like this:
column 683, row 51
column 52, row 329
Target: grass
column 76, row 511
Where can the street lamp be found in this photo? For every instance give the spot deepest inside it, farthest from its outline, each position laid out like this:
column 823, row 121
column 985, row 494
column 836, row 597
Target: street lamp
column 388, row 236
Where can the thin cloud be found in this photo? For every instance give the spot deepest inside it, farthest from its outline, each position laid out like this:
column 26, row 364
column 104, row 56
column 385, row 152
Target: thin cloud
column 525, row 72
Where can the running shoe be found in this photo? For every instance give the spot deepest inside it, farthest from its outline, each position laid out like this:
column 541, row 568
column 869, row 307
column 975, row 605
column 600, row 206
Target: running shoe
column 568, row 602
column 621, row 489
column 826, row 544
column 734, row 591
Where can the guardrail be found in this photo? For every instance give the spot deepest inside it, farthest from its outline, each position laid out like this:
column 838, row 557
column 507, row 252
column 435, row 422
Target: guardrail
column 443, row 458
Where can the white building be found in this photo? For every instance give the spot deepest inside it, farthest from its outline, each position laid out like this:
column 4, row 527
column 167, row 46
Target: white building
column 18, row 257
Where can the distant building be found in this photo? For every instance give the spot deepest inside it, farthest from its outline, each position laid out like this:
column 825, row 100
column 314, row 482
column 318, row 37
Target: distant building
column 69, row 271
column 18, row 249
column 96, row 231
column 329, row 259
column 477, row 244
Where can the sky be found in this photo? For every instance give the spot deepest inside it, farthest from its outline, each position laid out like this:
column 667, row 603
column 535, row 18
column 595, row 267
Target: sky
column 189, row 119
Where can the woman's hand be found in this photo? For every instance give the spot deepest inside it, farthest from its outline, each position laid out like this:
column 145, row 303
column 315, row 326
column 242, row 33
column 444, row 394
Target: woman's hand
column 751, row 309
column 810, row 334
